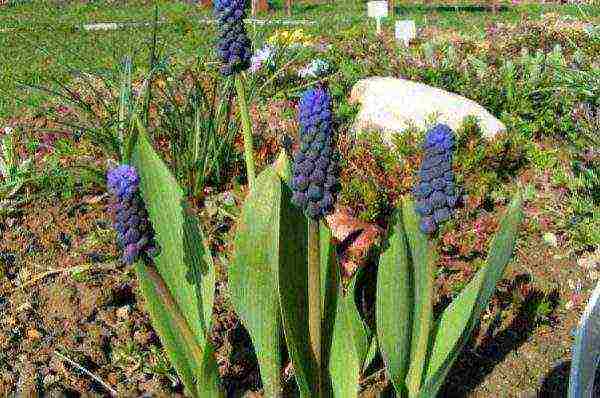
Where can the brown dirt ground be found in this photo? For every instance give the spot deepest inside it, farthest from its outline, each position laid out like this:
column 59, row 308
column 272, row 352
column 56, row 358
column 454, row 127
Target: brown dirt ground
column 63, row 292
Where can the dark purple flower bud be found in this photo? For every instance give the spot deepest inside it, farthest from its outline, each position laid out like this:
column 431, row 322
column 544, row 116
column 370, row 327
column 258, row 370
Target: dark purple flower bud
column 315, row 192
column 441, row 215
column 424, row 208
column 438, row 184
column 130, row 219
column 452, row 201
column 300, row 183
column 318, row 176
column 316, row 160
column 299, row 199
column 427, row 225
column 438, row 199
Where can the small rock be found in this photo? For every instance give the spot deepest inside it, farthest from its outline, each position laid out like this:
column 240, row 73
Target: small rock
column 7, row 258
column 392, row 105
column 550, row 239
column 64, row 239
column 33, row 334
column 123, row 312
column 95, row 257
column 49, row 379
column 590, row 262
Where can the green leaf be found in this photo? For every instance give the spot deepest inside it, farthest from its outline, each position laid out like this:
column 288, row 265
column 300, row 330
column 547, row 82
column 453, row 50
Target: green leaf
column 184, row 262
column 293, row 291
column 460, row 318
column 195, row 365
column 394, row 305
column 423, row 257
column 350, row 345
column 329, row 290
column 253, row 275
column 329, row 286
column 371, row 354
column 283, row 167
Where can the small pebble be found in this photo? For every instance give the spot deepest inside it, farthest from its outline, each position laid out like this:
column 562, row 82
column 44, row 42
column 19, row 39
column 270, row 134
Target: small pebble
column 33, row 334
column 550, row 239
column 123, row 312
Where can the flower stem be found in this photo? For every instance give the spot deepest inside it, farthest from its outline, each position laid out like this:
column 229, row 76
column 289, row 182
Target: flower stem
column 246, row 129
column 314, row 298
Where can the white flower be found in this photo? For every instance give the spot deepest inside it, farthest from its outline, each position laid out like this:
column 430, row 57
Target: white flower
column 262, row 56
column 8, row 130
column 316, row 68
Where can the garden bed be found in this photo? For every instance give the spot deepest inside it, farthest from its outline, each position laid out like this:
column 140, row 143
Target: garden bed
column 66, row 298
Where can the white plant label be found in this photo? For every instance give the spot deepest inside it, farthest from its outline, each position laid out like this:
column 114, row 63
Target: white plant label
column 586, row 350
column 377, row 10
column 406, row 31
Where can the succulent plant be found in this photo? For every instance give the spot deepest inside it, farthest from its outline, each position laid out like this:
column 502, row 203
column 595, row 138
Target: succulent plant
column 435, row 193
column 234, row 44
column 315, row 171
column 134, row 231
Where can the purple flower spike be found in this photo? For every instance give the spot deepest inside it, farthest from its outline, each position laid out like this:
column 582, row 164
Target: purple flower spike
column 234, row 44
column 130, row 219
column 435, row 191
column 315, row 171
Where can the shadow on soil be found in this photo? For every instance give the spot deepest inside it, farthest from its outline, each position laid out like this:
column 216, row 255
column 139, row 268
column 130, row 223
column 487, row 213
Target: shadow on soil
column 556, row 382
column 475, row 363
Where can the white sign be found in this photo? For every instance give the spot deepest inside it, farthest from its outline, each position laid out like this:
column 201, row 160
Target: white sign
column 586, row 350
column 377, row 9
column 406, row 31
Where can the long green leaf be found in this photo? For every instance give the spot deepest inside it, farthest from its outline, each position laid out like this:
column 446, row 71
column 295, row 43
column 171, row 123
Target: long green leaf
column 460, row 318
column 182, row 259
column 194, row 364
column 423, row 258
column 185, row 267
column 253, row 275
column 330, row 282
column 394, row 305
column 293, row 292
column 350, row 345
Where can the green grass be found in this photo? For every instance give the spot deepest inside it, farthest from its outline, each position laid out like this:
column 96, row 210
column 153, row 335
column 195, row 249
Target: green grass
column 45, row 40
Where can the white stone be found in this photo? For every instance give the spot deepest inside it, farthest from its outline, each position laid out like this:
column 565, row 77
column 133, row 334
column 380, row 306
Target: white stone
column 586, row 350
column 392, row 105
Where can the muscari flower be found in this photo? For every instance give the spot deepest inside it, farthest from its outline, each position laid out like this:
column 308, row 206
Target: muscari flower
column 435, row 194
column 315, row 170
column 135, row 235
column 234, row 44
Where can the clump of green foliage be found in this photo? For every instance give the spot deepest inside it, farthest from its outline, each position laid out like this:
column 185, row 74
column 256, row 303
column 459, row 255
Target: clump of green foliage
column 375, row 175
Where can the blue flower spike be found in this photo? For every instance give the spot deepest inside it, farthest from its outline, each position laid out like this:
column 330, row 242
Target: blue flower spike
column 315, row 171
column 234, row 46
column 135, row 235
column 435, row 193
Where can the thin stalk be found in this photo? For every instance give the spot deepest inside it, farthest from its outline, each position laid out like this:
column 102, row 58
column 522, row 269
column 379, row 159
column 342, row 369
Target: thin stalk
column 246, row 129
column 314, row 297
